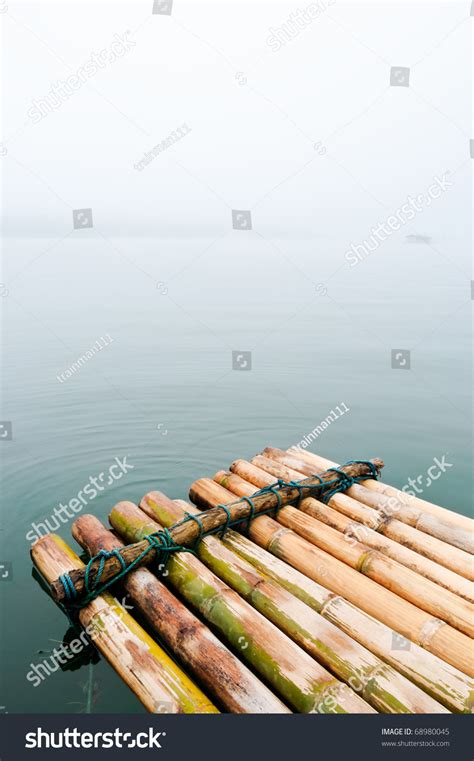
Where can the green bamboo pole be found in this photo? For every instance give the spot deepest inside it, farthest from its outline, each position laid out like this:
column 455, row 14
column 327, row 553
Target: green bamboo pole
column 187, row 533
column 159, row 684
column 221, row 673
column 441, row 680
column 429, row 632
column 379, row 684
column 301, row 682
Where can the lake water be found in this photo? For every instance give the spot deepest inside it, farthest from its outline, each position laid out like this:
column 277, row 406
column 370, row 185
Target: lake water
column 164, row 395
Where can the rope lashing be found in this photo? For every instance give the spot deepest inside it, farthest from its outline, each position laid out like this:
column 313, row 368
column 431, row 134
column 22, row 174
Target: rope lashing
column 197, row 520
column 344, row 481
column 228, row 520
column 163, row 544
column 160, row 541
column 251, row 515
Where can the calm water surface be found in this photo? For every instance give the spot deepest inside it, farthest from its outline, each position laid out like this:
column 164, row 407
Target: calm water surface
column 163, row 393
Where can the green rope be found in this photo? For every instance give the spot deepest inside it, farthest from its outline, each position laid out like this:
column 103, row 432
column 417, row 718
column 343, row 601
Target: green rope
column 228, row 520
column 197, row 520
column 160, row 541
column 163, row 544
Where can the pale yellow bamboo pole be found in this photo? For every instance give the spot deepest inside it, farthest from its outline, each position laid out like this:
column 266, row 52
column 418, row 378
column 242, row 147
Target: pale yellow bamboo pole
column 276, row 468
column 448, row 685
column 219, row 671
column 456, row 519
column 295, row 675
column 436, row 550
column 445, row 554
column 423, row 544
column 440, row 575
column 391, row 574
column 380, row 685
column 143, row 665
column 353, row 530
column 459, row 538
column 429, row 632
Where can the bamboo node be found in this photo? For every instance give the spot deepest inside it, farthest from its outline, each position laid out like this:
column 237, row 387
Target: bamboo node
column 364, row 560
column 331, row 598
column 428, row 630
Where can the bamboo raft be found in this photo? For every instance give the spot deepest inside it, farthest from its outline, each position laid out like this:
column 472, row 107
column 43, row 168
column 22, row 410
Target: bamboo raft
column 359, row 602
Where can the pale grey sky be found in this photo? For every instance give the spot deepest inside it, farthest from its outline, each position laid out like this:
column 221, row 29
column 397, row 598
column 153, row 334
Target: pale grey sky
column 254, row 115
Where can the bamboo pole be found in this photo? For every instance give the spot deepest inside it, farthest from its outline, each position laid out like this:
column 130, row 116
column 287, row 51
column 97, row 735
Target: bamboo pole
column 436, row 677
column 429, row 632
column 422, row 544
column 377, row 683
column 404, row 536
column 405, row 582
column 457, row 537
column 186, row 534
column 456, row 519
column 404, row 555
column 291, row 672
column 425, row 594
column 389, row 573
column 448, row 556
column 159, row 684
column 221, row 673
